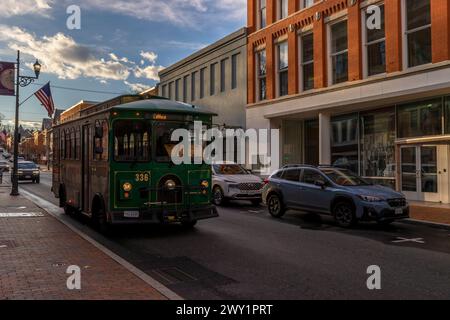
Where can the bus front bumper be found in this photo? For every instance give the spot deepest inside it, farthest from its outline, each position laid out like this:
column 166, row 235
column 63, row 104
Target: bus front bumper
column 164, row 215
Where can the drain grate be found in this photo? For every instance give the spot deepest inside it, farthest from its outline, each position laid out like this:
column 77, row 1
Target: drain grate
column 173, row 275
column 21, row 214
column 5, row 244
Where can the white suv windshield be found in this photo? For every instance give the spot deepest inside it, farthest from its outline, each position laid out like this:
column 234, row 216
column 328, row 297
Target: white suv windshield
column 229, row 169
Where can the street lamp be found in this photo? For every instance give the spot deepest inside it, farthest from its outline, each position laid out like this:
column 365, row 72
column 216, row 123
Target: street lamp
column 21, row 81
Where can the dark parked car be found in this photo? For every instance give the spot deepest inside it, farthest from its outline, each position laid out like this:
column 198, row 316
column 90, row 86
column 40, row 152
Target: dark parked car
column 332, row 191
column 28, row 171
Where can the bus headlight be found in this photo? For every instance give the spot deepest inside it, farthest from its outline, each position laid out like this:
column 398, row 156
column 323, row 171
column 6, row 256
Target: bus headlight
column 170, row 184
column 205, row 184
column 127, row 187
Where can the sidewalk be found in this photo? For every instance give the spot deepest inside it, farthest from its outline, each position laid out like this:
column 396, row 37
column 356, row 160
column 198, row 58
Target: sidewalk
column 430, row 212
column 36, row 250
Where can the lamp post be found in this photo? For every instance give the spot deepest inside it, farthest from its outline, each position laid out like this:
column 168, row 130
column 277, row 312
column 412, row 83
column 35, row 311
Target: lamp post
column 21, row 81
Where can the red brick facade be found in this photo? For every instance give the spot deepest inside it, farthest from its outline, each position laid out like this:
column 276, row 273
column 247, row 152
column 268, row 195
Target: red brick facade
column 315, row 16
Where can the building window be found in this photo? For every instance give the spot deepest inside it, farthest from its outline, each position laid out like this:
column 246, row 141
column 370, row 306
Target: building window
column 223, row 73
column 234, row 70
column 262, row 14
column 375, row 46
column 378, row 146
column 202, row 83
column 307, row 52
column 177, row 89
column 306, row 3
column 312, row 142
column 262, row 88
column 77, row 144
column 344, row 142
column 212, row 79
column 282, row 9
column 170, row 90
column 164, row 91
column 193, row 79
column 185, row 88
column 418, row 32
column 283, row 67
column 339, row 52
column 419, row 119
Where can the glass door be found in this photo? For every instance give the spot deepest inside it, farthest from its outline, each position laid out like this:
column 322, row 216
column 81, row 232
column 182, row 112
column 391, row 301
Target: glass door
column 421, row 178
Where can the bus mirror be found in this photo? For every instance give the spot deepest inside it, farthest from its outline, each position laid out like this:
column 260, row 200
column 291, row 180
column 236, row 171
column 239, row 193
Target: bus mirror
column 98, row 150
column 99, row 132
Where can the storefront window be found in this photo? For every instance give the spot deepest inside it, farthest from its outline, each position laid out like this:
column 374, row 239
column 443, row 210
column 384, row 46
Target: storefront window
column 378, row 146
column 344, row 142
column 418, row 119
column 312, row 142
column 292, row 146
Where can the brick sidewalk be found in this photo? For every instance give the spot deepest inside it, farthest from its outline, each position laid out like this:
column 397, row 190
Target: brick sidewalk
column 430, row 212
column 36, row 251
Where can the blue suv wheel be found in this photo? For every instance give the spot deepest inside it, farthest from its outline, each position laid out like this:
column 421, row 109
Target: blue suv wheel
column 275, row 205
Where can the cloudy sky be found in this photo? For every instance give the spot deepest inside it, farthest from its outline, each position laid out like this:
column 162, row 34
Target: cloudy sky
column 120, row 47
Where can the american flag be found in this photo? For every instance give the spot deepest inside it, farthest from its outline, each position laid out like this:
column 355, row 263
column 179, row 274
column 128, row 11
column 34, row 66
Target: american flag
column 45, row 97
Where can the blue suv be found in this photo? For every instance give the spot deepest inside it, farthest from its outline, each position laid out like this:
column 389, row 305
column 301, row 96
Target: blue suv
column 332, row 191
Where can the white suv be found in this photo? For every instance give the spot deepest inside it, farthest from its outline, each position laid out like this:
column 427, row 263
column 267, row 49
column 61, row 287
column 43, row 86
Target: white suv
column 234, row 182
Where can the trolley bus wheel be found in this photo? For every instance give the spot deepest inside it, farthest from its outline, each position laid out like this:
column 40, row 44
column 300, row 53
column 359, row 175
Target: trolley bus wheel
column 99, row 219
column 189, row 224
column 68, row 209
column 62, row 197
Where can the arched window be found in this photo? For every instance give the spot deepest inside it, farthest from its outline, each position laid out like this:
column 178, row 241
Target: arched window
column 77, row 143
column 62, row 145
column 67, row 142
column 72, row 144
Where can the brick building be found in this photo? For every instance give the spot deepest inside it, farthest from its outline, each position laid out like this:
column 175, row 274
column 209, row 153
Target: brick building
column 375, row 100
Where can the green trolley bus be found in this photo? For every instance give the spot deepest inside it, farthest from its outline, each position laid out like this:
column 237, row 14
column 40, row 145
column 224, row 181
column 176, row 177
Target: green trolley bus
column 112, row 162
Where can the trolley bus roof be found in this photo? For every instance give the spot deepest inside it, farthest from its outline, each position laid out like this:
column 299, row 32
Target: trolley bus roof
column 163, row 105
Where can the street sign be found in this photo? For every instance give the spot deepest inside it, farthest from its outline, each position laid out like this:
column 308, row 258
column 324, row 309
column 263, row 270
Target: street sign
column 6, row 79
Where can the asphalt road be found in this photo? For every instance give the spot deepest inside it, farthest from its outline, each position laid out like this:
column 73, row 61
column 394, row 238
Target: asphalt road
column 246, row 254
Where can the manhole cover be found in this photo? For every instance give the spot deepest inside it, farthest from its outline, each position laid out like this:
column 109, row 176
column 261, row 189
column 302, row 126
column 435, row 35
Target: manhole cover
column 21, row 214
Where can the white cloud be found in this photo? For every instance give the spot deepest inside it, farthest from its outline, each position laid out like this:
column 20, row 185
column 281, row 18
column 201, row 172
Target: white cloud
column 63, row 56
column 137, row 87
column 149, row 72
column 25, row 7
column 150, row 56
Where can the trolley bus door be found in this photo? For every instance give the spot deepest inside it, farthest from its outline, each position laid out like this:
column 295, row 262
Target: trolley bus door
column 85, row 170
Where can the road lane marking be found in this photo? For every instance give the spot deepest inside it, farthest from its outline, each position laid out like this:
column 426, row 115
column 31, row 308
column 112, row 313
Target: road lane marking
column 53, row 210
column 403, row 240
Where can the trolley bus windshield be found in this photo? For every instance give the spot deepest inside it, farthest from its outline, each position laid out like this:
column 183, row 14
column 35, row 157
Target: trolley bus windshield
column 132, row 141
column 164, row 143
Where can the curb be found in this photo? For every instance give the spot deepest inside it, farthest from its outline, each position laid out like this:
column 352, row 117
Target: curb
column 427, row 223
column 162, row 289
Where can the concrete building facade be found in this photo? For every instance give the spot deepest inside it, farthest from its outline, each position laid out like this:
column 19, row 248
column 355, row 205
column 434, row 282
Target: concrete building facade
column 375, row 100
column 214, row 78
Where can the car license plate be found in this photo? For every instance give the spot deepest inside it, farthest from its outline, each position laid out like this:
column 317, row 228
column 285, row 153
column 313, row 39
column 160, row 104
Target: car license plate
column 27, row 177
column 131, row 214
column 398, row 211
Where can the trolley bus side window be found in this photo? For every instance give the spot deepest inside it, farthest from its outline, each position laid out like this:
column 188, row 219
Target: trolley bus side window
column 132, row 141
